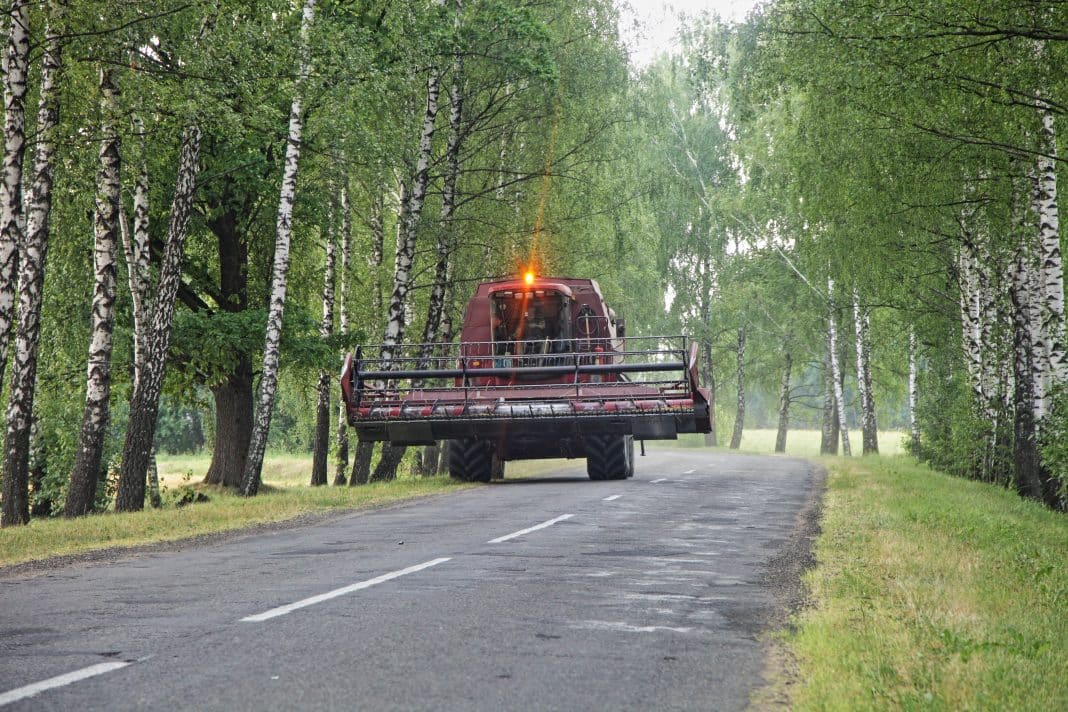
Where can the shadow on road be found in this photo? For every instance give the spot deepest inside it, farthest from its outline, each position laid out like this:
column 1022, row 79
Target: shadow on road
column 538, row 480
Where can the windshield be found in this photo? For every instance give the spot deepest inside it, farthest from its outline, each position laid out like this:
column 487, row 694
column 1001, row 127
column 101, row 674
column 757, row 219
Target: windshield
column 530, row 322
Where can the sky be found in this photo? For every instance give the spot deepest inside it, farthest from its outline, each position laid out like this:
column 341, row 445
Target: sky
column 648, row 26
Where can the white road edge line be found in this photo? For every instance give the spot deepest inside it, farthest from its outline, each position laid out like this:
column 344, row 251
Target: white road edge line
column 689, row 472
column 615, row 496
column 656, row 482
column 528, row 530
column 21, row 693
column 282, row 610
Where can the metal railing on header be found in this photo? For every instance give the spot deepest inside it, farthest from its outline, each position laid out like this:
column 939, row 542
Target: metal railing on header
column 555, row 369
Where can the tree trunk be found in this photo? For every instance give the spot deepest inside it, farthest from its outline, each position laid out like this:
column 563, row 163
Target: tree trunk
column 914, row 423
column 233, row 396
column 784, row 402
column 1049, row 235
column 250, row 480
column 1026, row 460
column 708, row 374
column 391, row 456
column 869, row 428
column 83, row 480
column 341, row 461
column 233, row 425
column 829, row 434
column 836, row 371
column 361, row 463
column 16, row 67
column 321, row 447
column 136, row 250
column 374, row 258
column 739, row 418
column 144, row 407
column 24, row 366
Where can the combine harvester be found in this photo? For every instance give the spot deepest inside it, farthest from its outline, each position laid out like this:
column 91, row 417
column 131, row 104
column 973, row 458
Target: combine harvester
column 543, row 369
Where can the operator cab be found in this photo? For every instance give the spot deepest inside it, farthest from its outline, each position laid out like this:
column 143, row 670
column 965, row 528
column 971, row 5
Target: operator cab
column 529, row 326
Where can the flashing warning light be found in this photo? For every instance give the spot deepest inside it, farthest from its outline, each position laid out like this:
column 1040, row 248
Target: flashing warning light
column 528, row 278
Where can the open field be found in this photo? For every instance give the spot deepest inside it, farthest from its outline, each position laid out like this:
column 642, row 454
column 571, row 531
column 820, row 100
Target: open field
column 933, row 592
column 799, row 443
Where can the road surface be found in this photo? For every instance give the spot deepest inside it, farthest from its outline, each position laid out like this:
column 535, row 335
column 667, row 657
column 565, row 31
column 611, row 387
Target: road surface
column 549, row 594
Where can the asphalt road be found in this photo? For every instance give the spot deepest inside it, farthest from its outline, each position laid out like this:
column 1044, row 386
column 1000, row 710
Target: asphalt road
column 649, row 593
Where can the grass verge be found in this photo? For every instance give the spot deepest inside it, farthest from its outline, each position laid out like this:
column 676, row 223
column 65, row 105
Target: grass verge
column 225, row 511
column 932, row 592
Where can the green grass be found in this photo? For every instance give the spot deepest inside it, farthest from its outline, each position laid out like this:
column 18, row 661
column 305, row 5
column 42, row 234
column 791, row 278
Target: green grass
column 285, row 495
column 932, row 592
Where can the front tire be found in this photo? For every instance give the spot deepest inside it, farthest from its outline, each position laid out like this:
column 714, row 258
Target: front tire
column 471, row 460
column 608, row 457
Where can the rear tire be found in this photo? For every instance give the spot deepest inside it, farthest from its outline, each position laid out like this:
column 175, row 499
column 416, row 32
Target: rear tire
column 471, row 460
column 608, row 457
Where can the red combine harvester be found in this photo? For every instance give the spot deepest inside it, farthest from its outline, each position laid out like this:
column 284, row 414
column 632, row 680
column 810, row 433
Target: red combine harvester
column 543, row 369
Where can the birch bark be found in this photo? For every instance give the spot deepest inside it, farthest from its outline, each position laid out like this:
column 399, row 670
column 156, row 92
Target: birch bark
column 250, row 480
column 402, row 278
column 87, row 460
column 16, row 67
column 136, row 250
column 862, row 323
column 24, row 365
column 144, row 406
column 1051, row 268
column 784, row 402
column 836, row 370
column 321, row 445
column 341, row 460
column 914, row 423
column 739, row 416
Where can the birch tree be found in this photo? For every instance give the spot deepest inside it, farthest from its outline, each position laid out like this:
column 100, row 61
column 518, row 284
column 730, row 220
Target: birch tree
column 342, row 454
column 321, row 445
column 411, row 213
column 16, row 68
column 862, row 324
column 739, row 412
column 144, row 407
column 836, row 370
column 250, row 481
column 87, row 462
column 31, row 279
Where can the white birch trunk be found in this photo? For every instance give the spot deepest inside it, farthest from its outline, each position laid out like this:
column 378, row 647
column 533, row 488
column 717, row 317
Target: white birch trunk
column 321, row 446
column 250, row 480
column 87, row 460
column 784, row 402
column 144, row 406
column 836, row 370
column 374, row 258
column 914, row 423
column 12, row 215
column 739, row 413
column 16, row 471
column 136, row 250
column 341, row 461
column 410, row 223
column 1052, row 268
column 862, row 323
column 968, row 279
column 402, row 278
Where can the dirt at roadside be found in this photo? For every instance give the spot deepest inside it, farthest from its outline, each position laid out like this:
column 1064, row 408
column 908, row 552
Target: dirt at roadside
column 784, row 578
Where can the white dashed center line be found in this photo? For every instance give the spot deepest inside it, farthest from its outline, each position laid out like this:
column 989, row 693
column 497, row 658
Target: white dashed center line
column 282, row 610
column 528, row 530
column 656, row 482
column 615, row 496
column 21, row 693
